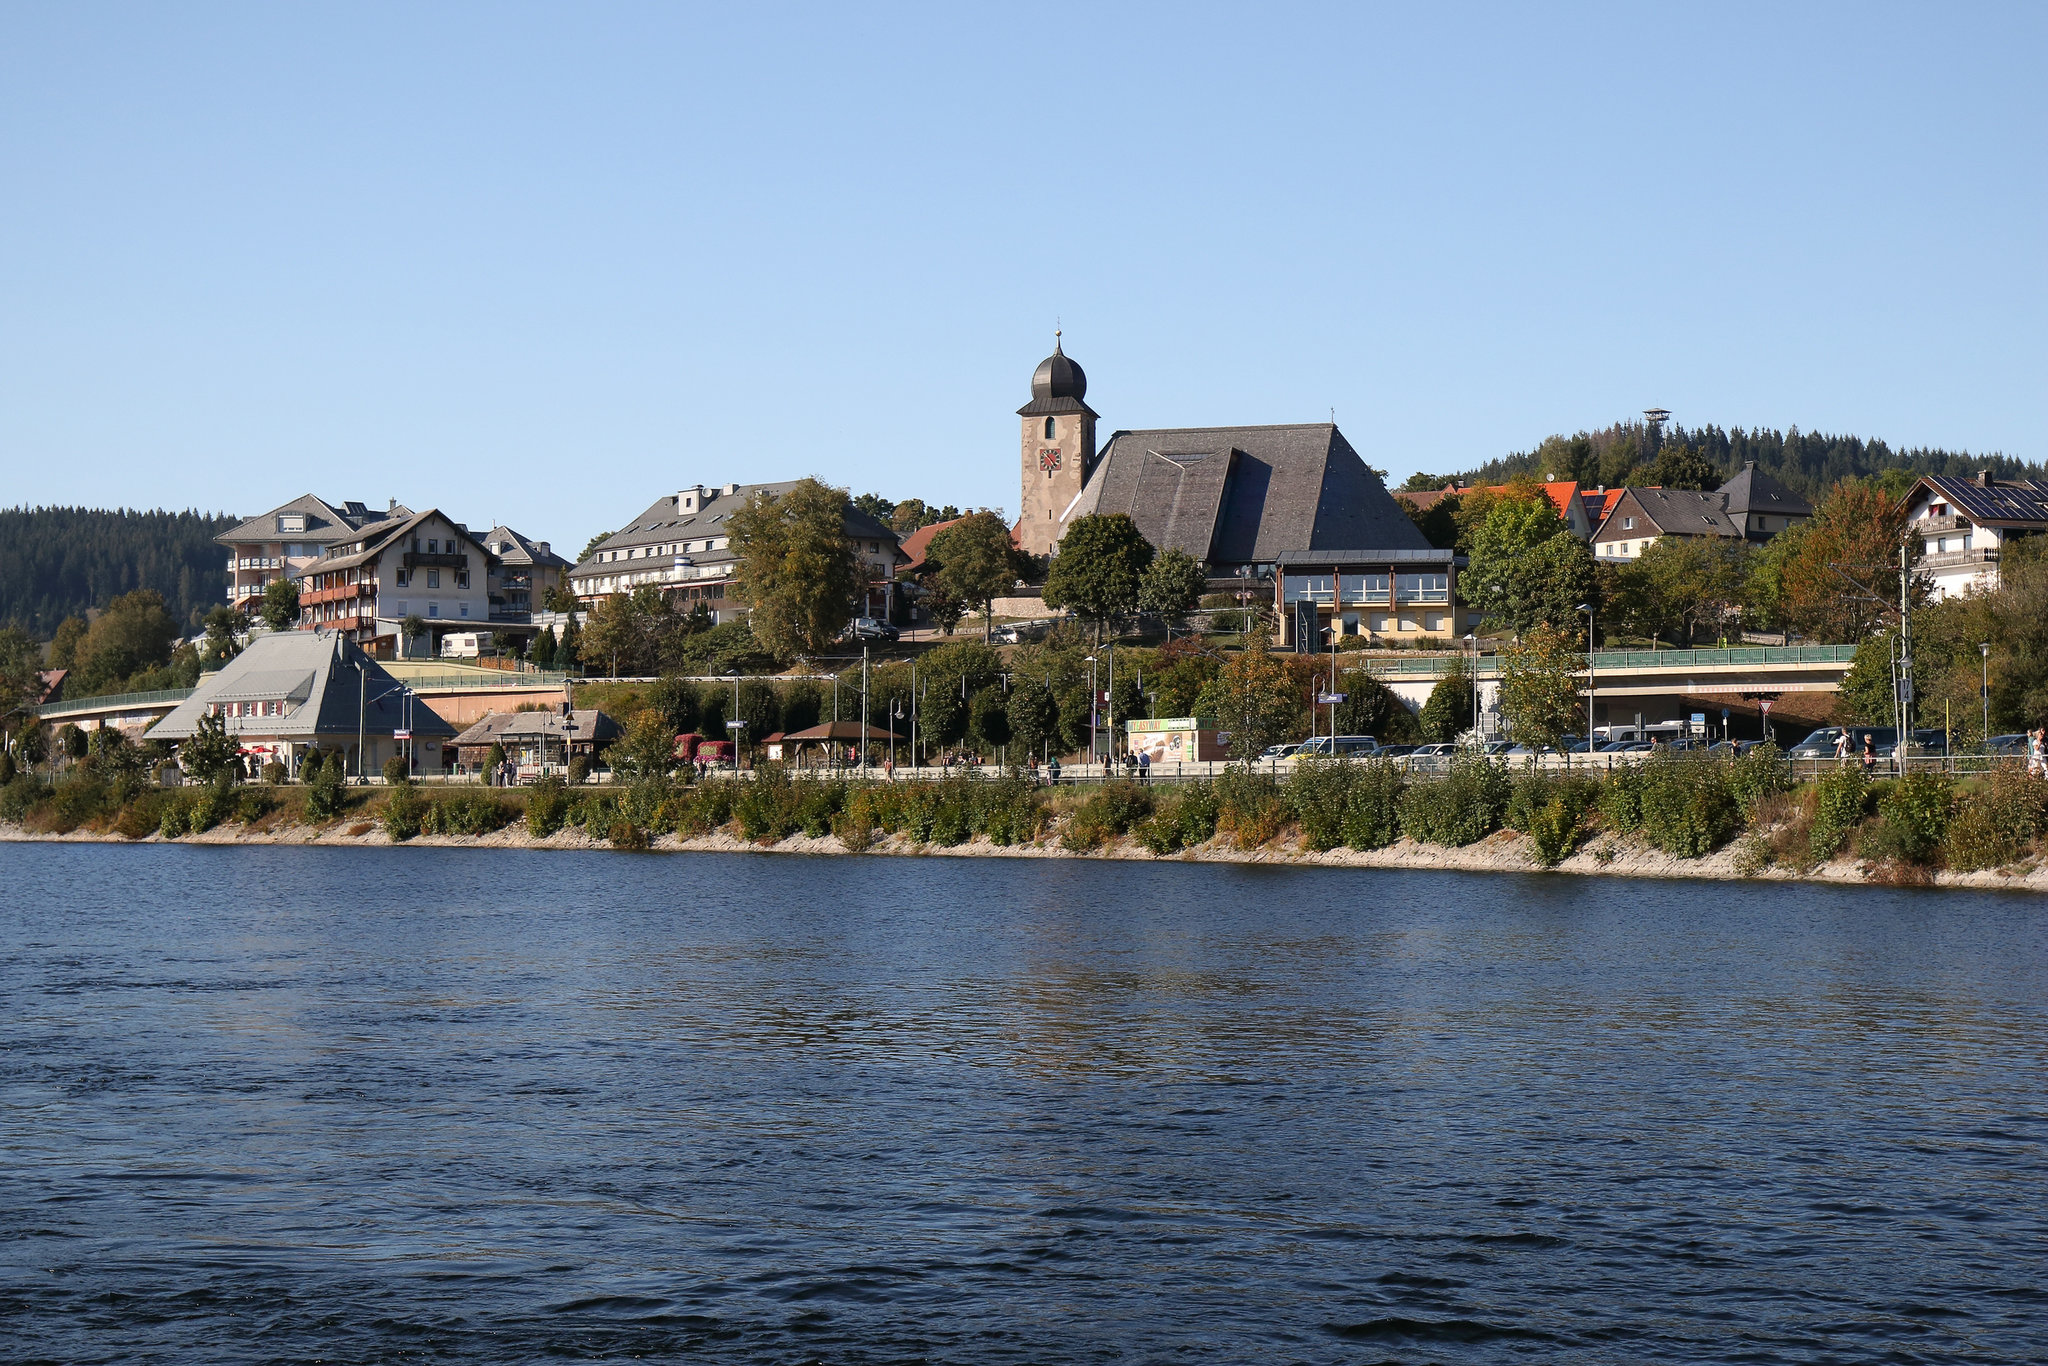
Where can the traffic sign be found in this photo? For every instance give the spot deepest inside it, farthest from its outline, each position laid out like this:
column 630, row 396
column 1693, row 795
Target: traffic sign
column 1330, row 699
column 401, row 735
column 735, row 725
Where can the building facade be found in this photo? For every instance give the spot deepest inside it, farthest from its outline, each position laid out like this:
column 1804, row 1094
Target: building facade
column 1964, row 525
column 682, row 545
column 426, row 566
column 293, row 691
column 520, row 574
column 283, row 541
column 1750, row 507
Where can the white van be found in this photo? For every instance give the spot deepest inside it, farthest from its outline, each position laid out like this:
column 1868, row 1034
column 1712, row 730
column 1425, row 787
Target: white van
column 468, row 645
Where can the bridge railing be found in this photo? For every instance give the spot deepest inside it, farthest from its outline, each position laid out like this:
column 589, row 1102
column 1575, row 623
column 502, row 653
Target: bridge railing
column 1746, row 656
column 114, row 702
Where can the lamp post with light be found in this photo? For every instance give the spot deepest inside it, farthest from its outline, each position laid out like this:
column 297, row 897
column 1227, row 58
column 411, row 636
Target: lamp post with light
column 1587, row 608
column 1984, row 691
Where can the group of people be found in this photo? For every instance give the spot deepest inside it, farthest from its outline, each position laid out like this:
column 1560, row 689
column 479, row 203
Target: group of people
column 2037, row 751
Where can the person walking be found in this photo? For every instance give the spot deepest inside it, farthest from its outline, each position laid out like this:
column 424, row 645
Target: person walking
column 1052, row 771
column 2037, row 759
column 1869, row 754
column 1144, row 765
column 1842, row 748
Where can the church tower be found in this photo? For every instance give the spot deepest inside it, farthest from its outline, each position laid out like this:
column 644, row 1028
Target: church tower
column 1058, row 447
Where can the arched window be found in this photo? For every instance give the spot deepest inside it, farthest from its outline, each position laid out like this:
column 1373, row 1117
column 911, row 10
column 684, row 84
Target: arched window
column 1048, row 429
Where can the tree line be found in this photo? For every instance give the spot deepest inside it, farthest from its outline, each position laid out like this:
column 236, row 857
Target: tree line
column 1640, row 453
column 58, row 562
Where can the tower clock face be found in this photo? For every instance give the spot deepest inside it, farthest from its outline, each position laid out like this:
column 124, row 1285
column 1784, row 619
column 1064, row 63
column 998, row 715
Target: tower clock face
column 1049, row 460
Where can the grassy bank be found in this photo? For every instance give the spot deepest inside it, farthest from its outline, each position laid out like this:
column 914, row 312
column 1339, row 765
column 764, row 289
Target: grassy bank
column 1902, row 830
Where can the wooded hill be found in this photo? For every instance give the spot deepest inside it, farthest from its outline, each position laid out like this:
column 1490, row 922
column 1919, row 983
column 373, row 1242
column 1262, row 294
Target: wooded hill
column 1808, row 462
column 56, row 562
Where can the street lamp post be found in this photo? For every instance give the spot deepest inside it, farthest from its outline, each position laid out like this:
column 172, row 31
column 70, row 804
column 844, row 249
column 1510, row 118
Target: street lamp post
column 1587, row 608
column 1984, row 691
column 1094, row 707
column 1472, row 659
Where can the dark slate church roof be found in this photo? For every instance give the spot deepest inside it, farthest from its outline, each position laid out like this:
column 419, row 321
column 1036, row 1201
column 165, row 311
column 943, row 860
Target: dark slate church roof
column 1247, row 495
column 1754, row 491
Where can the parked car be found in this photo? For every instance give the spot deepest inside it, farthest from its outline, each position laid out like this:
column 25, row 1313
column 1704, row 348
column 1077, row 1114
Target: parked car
column 1732, row 749
column 1273, row 752
column 2007, row 746
column 1336, row 746
column 868, row 628
column 1429, row 758
column 1395, row 751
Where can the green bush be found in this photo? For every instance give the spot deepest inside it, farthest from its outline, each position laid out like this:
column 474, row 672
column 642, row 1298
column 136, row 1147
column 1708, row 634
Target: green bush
column 1372, row 809
column 1913, row 818
column 579, row 771
column 274, row 773
column 1621, row 798
column 1839, row 800
column 176, row 816
column 1994, row 824
column 818, row 801
column 326, row 788
column 1011, row 810
column 396, row 770
column 1251, row 808
column 1687, row 807
column 465, row 811
column 858, row 820
column 1109, row 811
column 403, row 810
column 625, row 834
column 1318, row 791
column 1551, row 809
column 1759, row 774
column 547, row 807
column 20, row 796
column 1181, row 816
column 765, row 806
column 1464, row 806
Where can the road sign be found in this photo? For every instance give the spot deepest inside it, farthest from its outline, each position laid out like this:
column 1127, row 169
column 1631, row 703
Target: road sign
column 401, row 735
column 735, row 725
column 1330, row 699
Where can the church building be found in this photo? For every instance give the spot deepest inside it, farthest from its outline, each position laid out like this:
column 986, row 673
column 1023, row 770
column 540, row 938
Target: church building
column 1291, row 508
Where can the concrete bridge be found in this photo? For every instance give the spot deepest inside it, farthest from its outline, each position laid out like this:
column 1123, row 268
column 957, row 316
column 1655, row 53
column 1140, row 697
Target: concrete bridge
column 1661, row 685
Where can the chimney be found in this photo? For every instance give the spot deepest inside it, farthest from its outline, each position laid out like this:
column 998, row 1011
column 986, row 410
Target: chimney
column 731, row 489
column 1984, row 478
column 1749, row 464
column 393, row 507
column 690, row 499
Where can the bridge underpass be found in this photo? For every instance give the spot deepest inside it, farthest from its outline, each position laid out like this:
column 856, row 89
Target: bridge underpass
column 1800, row 682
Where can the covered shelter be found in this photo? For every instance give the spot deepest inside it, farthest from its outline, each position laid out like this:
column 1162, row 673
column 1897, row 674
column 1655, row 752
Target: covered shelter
column 829, row 735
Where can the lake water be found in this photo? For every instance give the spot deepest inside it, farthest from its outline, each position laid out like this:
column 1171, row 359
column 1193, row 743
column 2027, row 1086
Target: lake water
column 373, row 1105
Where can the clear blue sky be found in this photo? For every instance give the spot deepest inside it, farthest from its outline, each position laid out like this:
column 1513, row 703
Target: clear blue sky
column 540, row 264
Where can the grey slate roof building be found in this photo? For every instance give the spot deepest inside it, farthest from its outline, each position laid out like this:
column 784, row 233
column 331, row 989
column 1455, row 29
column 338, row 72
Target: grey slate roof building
column 294, row 689
column 1235, row 496
column 682, row 544
column 1752, row 498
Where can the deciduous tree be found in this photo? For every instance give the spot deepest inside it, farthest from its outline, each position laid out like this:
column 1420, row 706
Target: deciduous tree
column 280, row 609
column 797, row 570
column 1539, row 685
column 1100, row 567
column 975, row 563
column 1172, row 585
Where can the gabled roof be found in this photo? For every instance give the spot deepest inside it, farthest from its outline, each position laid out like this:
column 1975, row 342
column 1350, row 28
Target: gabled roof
column 316, row 669
column 1241, row 495
column 663, row 522
column 517, row 549
column 380, row 538
column 325, row 522
column 589, row 724
column 1676, row 512
column 1563, row 494
column 918, row 543
column 1993, row 502
column 1754, row 491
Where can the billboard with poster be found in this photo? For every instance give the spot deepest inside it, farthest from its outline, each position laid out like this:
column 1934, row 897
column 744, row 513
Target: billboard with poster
column 1177, row 740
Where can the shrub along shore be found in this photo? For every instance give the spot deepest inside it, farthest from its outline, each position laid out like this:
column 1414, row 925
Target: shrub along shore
column 1678, row 815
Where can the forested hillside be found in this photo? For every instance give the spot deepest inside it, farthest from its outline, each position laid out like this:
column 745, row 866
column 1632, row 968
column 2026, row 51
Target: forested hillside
column 1808, row 462
column 58, row 562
